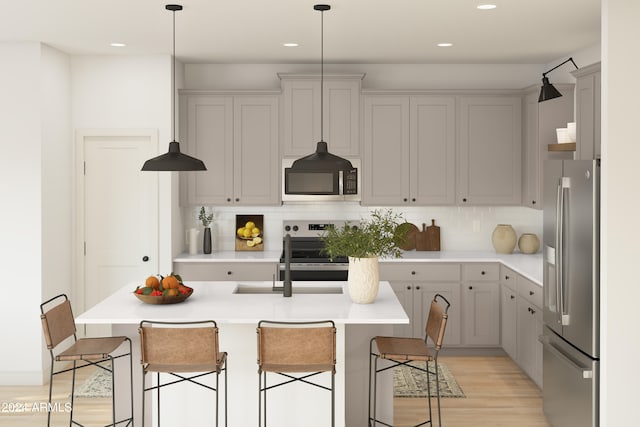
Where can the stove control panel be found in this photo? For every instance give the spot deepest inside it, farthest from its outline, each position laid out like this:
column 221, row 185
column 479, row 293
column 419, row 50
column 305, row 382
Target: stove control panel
column 314, row 228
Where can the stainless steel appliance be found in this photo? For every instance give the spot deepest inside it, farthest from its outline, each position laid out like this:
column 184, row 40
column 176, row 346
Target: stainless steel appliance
column 571, row 252
column 307, row 261
column 308, row 184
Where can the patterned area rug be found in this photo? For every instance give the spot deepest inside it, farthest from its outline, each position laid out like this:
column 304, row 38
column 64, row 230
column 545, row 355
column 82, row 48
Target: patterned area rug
column 97, row 385
column 409, row 382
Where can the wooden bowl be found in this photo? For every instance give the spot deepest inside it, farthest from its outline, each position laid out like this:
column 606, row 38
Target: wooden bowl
column 148, row 299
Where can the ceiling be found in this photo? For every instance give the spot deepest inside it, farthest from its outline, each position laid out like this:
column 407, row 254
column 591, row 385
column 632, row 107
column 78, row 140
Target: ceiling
column 355, row 31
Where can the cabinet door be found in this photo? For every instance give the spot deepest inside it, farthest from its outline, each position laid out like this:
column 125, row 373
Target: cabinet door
column 386, row 150
column 221, row 271
column 432, row 160
column 404, row 292
column 531, row 196
column 588, row 112
column 424, row 292
column 481, row 314
column 529, row 352
column 509, row 315
column 301, row 114
column 255, row 149
column 489, row 155
column 207, row 131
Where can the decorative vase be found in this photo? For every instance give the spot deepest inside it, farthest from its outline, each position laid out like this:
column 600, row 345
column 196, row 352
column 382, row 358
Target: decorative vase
column 503, row 239
column 363, row 281
column 206, row 242
column 528, row 243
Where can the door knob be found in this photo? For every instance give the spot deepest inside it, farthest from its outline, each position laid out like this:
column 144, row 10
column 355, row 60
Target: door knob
column 145, row 258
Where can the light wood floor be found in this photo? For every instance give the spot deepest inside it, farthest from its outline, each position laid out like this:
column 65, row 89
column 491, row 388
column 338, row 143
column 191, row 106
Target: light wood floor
column 498, row 394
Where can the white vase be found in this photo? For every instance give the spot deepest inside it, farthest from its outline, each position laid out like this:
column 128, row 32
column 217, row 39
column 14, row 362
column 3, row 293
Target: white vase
column 364, row 280
column 503, row 239
column 528, row 243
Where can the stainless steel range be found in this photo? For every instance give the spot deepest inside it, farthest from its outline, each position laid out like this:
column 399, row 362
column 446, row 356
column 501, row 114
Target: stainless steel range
column 308, row 262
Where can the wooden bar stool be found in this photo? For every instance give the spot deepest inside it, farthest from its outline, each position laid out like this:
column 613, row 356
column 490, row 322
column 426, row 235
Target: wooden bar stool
column 59, row 325
column 402, row 351
column 175, row 348
column 293, row 348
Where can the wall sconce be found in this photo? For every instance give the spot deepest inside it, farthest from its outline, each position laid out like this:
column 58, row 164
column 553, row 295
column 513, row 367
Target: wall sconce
column 547, row 91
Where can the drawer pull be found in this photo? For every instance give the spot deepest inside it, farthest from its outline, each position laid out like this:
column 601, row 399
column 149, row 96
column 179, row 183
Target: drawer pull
column 531, row 292
column 470, row 287
column 482, row 272
column 408, row 288
column 418, row 288
column 512, row 297
column 506, row 277
column 229, row 273
column 413, row 273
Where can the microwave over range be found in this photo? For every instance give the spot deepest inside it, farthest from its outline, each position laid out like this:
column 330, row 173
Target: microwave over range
column 320, row 184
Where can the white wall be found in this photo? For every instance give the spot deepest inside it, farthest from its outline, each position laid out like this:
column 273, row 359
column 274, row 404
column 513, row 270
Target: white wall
column 620, row 286
column 34, row 225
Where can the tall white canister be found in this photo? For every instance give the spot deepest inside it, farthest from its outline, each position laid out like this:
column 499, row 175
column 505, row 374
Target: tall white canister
column 192, row 238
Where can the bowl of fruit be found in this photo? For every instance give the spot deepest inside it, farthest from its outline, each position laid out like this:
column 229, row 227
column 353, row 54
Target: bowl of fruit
column 163, row 290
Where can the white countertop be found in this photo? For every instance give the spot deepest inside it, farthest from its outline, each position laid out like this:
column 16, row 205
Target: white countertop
column 530, row 266
column 217, row 301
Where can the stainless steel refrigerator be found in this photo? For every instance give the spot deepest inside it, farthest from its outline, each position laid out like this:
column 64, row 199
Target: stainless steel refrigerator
column 571, row 251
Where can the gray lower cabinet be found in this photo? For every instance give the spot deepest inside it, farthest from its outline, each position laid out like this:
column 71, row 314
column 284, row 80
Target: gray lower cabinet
column 521, row 320
column 480, row 304
column 237, row 138
column 221, row 271
column 489, row 164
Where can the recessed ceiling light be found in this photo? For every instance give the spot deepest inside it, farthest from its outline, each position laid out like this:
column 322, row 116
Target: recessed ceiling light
column 118, row 44
column 445, row 44
column 486, row 6
column 290, row 44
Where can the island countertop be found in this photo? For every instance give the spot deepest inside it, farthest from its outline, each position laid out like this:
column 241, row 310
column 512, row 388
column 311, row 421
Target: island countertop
column 218, row 301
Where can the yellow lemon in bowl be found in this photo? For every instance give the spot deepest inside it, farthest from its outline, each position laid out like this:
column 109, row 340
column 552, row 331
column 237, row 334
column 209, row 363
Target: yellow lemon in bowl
column 240, row 232
column 250, row 225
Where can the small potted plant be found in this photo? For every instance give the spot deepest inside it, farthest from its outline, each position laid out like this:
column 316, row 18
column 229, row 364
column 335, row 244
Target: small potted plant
column 206, row 222
column 364, row 244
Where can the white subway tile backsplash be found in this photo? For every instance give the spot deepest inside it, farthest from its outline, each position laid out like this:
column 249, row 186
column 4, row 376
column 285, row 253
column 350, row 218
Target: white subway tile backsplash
column 461, row 228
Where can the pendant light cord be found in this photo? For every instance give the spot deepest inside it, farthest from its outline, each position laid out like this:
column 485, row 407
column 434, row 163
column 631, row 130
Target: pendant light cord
column 173, row 79
column 322, row 75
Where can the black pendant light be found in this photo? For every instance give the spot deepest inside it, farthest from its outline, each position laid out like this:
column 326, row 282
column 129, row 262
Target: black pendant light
column 548, row 91
column 322, row 159
column 174, row 160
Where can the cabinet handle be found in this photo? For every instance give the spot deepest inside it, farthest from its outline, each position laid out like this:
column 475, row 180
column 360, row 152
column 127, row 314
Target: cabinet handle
column 413, row 200
column 470, row 287
column 418, row 288
column 506, row 277
column 237, row 199
column 405, row 199
column 413, row 273
column 533, row 202
column 531, row 292
column 482, row 272
column 408, row 287
column 464, row 199
column 512, row 297
column 229, row 273
column 228, row 199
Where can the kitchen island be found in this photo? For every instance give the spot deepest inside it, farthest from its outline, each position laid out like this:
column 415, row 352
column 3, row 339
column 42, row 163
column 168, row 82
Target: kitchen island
column 237, row 308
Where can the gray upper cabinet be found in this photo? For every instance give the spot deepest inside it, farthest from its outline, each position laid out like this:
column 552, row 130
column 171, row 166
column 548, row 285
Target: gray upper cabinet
column 540, row 123
column 237, row 138
column 489, row 151
column 409, row 150
column 301, row 113
column 588, row 112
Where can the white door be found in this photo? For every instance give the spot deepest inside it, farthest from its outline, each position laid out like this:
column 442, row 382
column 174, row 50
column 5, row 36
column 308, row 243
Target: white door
column 118, row 213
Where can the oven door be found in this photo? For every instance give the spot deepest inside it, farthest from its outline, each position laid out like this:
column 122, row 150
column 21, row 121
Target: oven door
column 317, row 272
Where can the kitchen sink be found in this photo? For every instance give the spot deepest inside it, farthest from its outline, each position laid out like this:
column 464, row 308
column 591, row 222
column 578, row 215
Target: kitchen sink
column 268, row 289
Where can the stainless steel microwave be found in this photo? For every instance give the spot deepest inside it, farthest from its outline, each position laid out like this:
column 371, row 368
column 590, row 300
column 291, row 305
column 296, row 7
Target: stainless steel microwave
column 320, row 185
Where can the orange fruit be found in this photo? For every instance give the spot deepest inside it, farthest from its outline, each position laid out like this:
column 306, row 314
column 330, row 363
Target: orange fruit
column 183, row 288
column 170, row 282
column 172, row 292
column 152, row 282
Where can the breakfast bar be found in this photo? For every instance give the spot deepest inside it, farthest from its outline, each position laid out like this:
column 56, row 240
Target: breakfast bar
column 237, row 308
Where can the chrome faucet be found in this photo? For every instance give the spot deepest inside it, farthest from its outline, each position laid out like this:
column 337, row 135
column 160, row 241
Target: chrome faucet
column 286, row 292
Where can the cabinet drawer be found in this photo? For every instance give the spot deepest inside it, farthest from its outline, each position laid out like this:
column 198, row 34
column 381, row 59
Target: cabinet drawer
column 530, row 291
column 508, row 277
column 480, row 272
column 423, row 272
column 214, row 271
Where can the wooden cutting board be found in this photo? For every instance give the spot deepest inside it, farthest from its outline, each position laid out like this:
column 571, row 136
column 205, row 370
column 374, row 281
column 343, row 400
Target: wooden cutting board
column 429, row 238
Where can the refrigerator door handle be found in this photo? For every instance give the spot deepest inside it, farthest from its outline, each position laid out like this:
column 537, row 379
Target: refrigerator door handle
column 564, row 184
column 585, row 373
